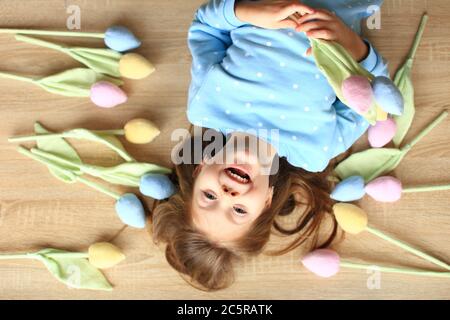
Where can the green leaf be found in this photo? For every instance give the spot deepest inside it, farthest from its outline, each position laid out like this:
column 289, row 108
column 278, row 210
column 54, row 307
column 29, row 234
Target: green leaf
column 72, row 269
column 60, row 148
column 99, row 60
column 404, row 83
column 337, row 65
column 74, row 83
column 110, row 141
column 370, row 164
column 104, row 61
column 127, row 174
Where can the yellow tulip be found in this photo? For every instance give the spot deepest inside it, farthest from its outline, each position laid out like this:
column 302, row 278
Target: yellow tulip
column 351, row 218
column 135, row 66
column 104, row 255
column 381, row 114
column 140, row 131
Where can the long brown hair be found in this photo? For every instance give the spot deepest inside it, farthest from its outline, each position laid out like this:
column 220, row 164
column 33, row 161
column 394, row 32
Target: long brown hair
column 208, row 265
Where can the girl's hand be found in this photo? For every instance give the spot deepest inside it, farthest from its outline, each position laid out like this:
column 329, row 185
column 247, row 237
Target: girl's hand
column 328, row 26
column 271, row 14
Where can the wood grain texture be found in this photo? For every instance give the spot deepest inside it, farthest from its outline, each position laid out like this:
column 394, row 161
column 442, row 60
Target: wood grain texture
column 37, row 211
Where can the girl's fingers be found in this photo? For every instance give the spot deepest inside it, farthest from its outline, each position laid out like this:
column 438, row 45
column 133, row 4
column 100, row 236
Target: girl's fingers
column 323, row 34
column 308, row 26
column 293, row 8
column 318, row 15
column 309, row 52
column 286, row 24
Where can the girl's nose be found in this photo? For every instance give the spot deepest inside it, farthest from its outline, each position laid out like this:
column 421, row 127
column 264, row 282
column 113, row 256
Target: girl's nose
column 229, row 191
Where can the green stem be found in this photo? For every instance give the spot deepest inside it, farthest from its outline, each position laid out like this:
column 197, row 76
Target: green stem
column 416, row 272
column 39, row 42
column 89, row 183
column 98, row 187
column 425, row 131
column 55, row 33
column 408, row 248
column 418, row 37
column 15, row 77
column 71, row 134
column 72, row 255
column 42, row 160
column 118, row 132
column 426, row 188
column 16, row 256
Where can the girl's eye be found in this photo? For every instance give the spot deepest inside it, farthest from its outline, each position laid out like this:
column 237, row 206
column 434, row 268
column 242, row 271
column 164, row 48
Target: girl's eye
column 209, row 196
column 240, row 211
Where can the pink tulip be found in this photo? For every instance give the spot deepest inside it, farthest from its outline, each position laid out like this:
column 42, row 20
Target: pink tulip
column 322, row 262
column 107, row 95
column 382, row 133
column 358, row 93
column 385, row 189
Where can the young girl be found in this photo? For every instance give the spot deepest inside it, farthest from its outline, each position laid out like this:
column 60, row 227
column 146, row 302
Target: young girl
column 253, row 69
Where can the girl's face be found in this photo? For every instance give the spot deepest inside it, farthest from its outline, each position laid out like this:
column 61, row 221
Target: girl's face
column 228, row 198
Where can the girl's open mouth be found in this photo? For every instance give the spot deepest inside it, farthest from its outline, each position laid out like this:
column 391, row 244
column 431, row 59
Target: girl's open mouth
column 238, row 175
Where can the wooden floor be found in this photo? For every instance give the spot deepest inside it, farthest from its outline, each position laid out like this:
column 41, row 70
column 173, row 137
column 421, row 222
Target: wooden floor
column 38, row 211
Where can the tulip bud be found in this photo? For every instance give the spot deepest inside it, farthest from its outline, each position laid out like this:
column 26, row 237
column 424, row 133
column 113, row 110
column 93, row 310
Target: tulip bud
column 121, row 39
column 135, row 66
column 157, row 186
column 382, row 133
column 322, row 262
column 104, row 255
column 131, row 211
column 350, row 189
column 107, row 95
column 140, row 131
column 358, row 93
column 387, row 95
column 350, row 218
column 385, row 189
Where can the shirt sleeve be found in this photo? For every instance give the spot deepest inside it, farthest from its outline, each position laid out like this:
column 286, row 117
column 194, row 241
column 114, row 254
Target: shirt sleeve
column 209, row 38
column 350, row 125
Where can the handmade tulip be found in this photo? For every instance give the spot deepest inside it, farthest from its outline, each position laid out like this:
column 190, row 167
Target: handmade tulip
column 157, row 186
column 61, row 264
column 77, row 82
column 137, row 131
column 140, row 131
column 104, row 255
column 107, row 95
column 358, row 93
column 353, row 220
column 105, row 61
column 130, row 210
column 128, row 207
column 350, row 218
column 385, row 189
column 350, row 189
column 121, row 39
column 387, row 95
column 338, row 66
column 135, row 66
column 117, row 38
column 403, row 82
column 373, row 163
column 382, row 133
column 382, row 189
column 326, row 263
column 322, row 262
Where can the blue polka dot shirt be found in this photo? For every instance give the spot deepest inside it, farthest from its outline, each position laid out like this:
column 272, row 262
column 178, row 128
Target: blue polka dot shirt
column 248, row 78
